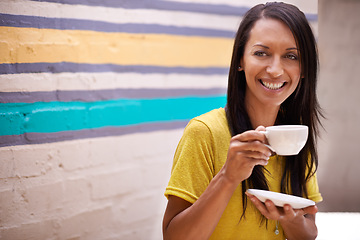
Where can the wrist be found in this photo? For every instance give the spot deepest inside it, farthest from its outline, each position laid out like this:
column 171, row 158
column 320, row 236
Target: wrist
column 300, row 227
column 228, row 181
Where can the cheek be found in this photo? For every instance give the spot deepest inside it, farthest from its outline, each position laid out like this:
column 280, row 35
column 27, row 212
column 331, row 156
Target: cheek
column 295, row 73
column 295, row 82
column 250, row 78
column 252, row 70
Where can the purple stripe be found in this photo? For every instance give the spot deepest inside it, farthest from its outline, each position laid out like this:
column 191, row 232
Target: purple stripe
column 76, row 24
column 12, row 68
column 98, row 95
column 40, row 138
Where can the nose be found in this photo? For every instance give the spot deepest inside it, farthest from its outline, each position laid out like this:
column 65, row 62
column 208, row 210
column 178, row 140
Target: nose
column 275, row 68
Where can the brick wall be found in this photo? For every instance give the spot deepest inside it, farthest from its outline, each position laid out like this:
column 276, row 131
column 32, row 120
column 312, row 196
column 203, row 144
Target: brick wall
column 87, row 189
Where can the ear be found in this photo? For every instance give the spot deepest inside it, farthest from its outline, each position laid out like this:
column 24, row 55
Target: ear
column 240, row 68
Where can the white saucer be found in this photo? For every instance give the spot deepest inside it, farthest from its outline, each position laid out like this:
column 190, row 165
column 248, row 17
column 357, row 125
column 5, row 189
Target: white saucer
column 280, row 199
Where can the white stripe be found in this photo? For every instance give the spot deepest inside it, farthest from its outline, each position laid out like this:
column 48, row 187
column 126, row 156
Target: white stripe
column 99, row 81
column 116, row 141
column 119, row 15
column 101, row 154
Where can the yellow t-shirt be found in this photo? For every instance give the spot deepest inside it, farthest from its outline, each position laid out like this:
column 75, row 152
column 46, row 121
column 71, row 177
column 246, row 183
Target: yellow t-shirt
column 201, row 153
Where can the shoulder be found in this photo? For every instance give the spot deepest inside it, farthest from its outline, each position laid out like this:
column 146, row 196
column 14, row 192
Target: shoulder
column 215, row 119
column 212, row 125
column 214, row 115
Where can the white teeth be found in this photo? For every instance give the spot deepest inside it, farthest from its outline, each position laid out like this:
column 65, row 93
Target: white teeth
column 272, row 86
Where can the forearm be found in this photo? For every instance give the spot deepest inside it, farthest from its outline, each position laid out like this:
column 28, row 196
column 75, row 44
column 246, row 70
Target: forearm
column 200, row 219
column 303, row 228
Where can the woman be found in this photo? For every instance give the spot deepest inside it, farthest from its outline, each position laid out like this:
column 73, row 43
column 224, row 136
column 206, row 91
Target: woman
column 272, row 81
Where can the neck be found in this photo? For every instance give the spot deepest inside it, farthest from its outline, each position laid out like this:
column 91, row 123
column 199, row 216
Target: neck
column 263, row 115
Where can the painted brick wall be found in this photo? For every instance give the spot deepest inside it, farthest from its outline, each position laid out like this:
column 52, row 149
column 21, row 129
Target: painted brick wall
column 94, row 96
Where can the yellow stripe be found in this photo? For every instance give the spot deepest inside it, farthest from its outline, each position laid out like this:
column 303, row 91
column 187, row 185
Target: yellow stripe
column 30, row 45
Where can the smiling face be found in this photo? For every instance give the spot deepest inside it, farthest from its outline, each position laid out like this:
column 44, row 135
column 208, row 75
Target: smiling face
column 271, row 64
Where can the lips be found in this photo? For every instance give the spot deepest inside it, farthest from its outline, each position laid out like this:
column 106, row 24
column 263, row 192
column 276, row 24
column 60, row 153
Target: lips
column 271, row 85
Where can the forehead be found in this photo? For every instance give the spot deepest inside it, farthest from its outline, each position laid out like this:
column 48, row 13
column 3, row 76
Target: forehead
column 271, row 32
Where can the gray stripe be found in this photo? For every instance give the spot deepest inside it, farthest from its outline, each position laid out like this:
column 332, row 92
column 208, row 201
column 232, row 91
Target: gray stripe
column 40, row 138
column 12, row 68
column 220, row 9
column 99, row 95
column 76, row 24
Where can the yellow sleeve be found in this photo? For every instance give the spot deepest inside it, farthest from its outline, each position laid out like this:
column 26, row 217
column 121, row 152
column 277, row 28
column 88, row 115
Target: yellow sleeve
column 313, row 189
column 193, row 165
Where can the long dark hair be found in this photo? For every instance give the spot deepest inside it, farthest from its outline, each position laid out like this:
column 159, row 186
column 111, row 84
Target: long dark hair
column 301, row 107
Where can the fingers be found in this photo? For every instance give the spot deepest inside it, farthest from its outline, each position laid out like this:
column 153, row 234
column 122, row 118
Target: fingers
column 253, row 149
column 253, row 143
column 311, row 210
column 246, row 150
column 287, row 213
column 290, row 213
column 268, row 209
column 251, row 135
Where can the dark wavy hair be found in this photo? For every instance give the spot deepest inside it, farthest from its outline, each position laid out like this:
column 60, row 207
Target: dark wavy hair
column 301, row 107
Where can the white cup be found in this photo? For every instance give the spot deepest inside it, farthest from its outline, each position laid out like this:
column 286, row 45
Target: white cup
column 287, row 140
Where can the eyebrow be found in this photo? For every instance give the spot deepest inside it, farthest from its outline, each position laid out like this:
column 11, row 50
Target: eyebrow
column 261, row 45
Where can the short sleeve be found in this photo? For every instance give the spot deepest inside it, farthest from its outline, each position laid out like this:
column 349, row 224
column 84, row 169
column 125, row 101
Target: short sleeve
column 313, row 189
column 193, row 164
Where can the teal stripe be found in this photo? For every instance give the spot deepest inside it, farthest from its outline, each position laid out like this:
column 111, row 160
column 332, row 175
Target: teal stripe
column 48, row 117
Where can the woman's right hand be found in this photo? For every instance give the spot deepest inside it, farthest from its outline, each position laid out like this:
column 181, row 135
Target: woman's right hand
column 246, row 150
column 183, row 220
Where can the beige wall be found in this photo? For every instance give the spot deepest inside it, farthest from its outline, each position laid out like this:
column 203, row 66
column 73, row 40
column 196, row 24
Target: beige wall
column 339, row 46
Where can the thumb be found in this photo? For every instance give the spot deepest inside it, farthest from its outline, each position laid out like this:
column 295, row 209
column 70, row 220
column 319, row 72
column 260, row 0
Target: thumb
column 311, row 209
column 260, row 128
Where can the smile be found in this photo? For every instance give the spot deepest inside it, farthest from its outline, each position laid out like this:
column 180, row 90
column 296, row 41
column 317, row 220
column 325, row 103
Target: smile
column 272, row 86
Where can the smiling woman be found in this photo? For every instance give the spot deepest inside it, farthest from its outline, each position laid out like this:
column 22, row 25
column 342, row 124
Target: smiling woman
column 206, row 191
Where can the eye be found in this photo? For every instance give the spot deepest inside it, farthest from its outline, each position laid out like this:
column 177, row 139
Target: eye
column 260, row 53
column 291, row 56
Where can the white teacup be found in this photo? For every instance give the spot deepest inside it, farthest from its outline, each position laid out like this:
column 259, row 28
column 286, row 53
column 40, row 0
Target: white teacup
column 287, row 140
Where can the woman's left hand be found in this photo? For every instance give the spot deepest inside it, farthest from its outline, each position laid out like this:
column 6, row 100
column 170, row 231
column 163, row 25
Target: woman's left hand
column 297, row 223
column 287, row 213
